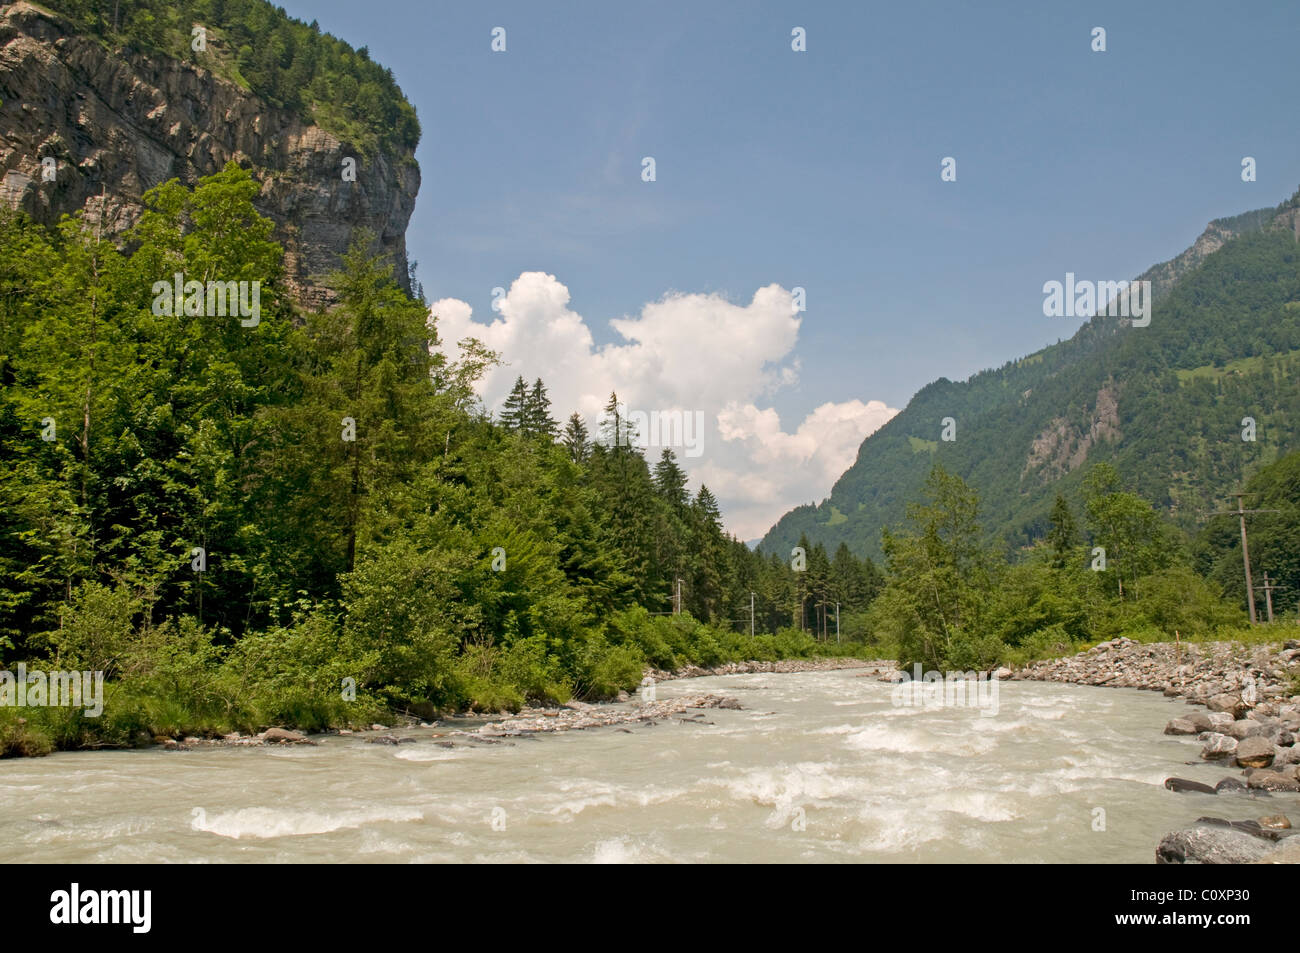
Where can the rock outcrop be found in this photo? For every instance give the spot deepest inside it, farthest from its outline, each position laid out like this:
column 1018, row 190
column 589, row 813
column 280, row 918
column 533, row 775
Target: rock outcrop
column 118, row 122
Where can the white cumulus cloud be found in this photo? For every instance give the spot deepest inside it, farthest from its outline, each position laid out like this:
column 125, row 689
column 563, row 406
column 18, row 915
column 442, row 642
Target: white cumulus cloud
column 693, row 353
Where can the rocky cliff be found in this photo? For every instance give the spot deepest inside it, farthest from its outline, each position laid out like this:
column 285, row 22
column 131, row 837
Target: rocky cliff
column 117, row 123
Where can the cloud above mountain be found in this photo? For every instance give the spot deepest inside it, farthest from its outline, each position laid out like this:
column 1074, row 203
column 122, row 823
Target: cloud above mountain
column 689, row 353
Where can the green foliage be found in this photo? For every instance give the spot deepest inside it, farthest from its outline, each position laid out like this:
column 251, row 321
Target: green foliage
column 1274, row 540
column 950, row 603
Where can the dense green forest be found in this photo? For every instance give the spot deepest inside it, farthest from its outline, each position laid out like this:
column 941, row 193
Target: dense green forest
column 287, row 63
column 1165, row 404
column 231, row 517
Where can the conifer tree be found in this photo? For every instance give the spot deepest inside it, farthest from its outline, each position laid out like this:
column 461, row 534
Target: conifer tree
column 670, row 481
column 1063, row 536
column 514, row 413
column 575, row 439
column 537, row 413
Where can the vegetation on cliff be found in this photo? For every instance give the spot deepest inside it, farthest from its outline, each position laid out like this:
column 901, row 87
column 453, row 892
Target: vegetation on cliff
column 284, row 61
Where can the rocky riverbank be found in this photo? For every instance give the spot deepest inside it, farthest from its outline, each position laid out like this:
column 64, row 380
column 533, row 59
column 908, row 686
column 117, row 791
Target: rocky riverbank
column 784, row 666
column 573, row 716
column 1252, row 724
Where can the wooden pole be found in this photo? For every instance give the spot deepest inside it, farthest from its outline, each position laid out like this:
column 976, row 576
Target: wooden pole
column 1245, row 558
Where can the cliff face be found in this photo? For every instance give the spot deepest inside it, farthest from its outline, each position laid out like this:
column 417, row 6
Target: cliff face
column 119, row 123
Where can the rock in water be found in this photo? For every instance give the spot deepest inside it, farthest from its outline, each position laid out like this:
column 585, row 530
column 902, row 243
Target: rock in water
column 1182, row 785
column 1230, row 784
column 1217, row 745
column 280, row 735
column 1271, row 781
column 1254, row 752
column 1183, row 726
column 1211, row 845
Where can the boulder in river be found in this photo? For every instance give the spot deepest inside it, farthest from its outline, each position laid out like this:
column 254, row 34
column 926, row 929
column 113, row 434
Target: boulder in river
column 1230, row 784
column 1254, row 752
column 1182, row 726
column 1271, row 781
column 1217, row 745
column 1183, row 786
column 1278, row 822
column 282, row 736
column 1211, row 845
column 1219, row 719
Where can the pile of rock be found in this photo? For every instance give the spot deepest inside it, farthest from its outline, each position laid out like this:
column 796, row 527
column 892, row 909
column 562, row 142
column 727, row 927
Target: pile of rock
column 1204, row 673
column 783, row 666
column 1252, row 723
column 577, row 716
column 272, row 736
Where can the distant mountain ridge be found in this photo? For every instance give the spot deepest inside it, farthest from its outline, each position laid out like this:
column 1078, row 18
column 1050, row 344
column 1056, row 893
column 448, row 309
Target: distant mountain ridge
column 1163, row 402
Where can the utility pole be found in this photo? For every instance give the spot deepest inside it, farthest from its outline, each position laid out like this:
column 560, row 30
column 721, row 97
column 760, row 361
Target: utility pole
column 1240, row 512
column 751, row 615
column 677, row 596
column 1268, row 596
column 837, row 623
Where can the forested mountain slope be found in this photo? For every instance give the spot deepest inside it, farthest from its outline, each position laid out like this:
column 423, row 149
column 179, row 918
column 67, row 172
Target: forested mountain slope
column 1164, row 402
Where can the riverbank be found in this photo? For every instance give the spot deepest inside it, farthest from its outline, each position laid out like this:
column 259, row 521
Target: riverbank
column 1251, row 724
column 403, row 727
column 781, row 666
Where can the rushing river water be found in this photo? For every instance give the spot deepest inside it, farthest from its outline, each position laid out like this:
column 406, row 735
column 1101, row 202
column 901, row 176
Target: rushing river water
column 819, row 766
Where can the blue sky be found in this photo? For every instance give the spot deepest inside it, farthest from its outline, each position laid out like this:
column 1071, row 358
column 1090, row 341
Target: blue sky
column 821, row 169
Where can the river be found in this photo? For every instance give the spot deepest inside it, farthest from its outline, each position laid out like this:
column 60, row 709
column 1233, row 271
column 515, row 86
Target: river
column 819, row 766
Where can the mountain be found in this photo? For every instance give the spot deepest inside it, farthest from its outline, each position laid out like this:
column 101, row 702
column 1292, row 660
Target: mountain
column 1165, row 403
column 120, row 99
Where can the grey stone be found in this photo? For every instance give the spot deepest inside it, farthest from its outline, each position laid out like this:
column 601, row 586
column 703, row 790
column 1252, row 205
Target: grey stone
column 1217, row 745
column 1211, row 845
column 1271, row 781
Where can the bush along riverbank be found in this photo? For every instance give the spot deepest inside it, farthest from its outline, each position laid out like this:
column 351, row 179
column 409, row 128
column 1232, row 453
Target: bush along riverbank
column 175, row 684
column 1250, row 726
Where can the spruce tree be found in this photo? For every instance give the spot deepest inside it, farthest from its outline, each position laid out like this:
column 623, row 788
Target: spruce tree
column 575, row 439
column 1063, row 536
column 537, row 413
column 514, row 413
column 670, row 481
